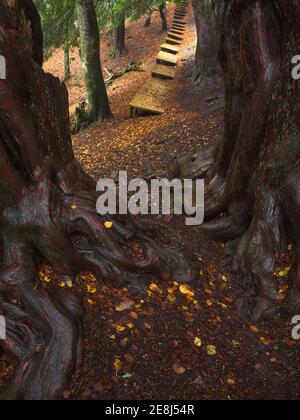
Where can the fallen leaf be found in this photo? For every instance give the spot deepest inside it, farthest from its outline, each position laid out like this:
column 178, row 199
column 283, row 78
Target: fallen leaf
column 211, row 350
column 108, row 225
column 198, row 342
column 180, row 370
column 91, row 302
column 185, row 290
column 91, row 289
column 117, row 365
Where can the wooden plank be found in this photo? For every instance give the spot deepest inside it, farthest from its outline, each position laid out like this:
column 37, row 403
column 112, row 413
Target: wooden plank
column 179, row 25
column 177, row 31
column 175, row 36
column 181, row 22
column 172, row 49
column 172, row 41
column 148, row 99
column 167, row 59
column 163, row 72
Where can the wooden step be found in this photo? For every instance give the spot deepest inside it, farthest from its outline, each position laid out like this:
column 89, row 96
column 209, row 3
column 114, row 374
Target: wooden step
column 179, row 21
column 163, row 72
column 172, row 41
column 172, row 49
column 173, row 35
column 167, row 59
column 179, row 25
column 149, row 98
column 177, row 31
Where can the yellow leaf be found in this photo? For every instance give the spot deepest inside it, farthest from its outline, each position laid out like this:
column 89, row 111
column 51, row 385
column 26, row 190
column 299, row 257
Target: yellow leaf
column 117, row 364
column 153, row 287
column 90, row 277
column 119, row 328
column 230, row 381
column 62, row 284
column 44, row 278
column 224, row 278
column 69, row 283
column 172, row 298
column 108, row 225
column 211, row 350
column 198, row 342
column 209, row 303
column 113, row 337
column 74, row 206
column 284, row 272
column 185, row 290
column 91, row 302
column 130, row 326
column 91, row 289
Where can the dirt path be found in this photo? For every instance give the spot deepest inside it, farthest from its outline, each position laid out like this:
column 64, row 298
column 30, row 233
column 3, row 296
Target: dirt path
column 169, row 344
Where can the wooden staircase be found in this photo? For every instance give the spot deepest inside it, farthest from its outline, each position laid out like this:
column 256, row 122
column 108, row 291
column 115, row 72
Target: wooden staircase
column 147, row 101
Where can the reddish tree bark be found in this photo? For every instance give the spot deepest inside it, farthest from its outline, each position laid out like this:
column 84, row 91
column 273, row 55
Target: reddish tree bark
column 40, row 181
column 254, row 182
column 260, row 153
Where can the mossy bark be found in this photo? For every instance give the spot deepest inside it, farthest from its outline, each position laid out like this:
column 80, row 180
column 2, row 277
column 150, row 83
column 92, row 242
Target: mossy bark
column 120, row 37
column 98, row 102
column 67, row 63
column 163, row 16
column 208, row 17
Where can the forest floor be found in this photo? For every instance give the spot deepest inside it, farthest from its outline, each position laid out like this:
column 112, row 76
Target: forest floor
column 173, row 342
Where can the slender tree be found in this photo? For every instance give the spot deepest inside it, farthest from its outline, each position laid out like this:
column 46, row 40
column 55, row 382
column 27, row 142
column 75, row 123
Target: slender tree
column 90, row 55
column 120, row 37
column 162, row 12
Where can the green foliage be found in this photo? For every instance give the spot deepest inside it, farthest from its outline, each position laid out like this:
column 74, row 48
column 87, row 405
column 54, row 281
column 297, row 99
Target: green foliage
column 59, row 18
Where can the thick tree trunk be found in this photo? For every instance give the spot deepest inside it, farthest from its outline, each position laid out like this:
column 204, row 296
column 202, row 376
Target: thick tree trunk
column 120, row 38
column 90, row 56
column 255, row 180
column 163, row 16
column 47, row 214
column 208, row 16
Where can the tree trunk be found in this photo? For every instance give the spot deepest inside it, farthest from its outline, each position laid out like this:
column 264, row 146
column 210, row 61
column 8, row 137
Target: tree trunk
column 163, row 12
column 120, row 38
column 47, row 214
column 148, row 19
column 208, row 16
column 91, row 64
column 255, row 180
column 67, row 62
